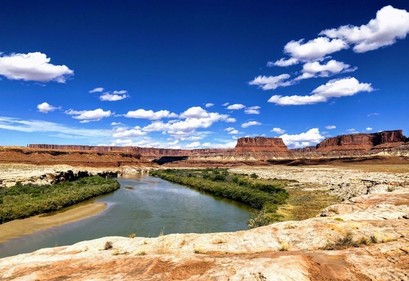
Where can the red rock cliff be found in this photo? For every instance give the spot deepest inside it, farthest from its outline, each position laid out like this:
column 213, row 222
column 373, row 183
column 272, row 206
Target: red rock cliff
column 260, row 144
column 362, row 142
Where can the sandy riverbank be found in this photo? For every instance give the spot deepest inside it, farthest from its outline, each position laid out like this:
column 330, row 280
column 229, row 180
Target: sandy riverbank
column 17, row 228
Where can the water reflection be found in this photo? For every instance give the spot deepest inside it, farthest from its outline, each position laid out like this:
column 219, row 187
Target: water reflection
column 147, row 207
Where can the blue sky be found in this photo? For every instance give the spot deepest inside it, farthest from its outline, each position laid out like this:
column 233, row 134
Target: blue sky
column 199, row 74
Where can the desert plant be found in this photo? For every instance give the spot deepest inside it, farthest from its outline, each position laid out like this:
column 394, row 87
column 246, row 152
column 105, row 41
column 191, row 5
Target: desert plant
column 108, row 245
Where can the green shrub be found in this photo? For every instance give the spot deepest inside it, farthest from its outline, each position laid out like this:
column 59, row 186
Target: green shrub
column 23, row 201
column 261, row 195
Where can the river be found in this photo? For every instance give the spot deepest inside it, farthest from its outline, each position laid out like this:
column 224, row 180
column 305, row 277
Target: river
column 144, row 206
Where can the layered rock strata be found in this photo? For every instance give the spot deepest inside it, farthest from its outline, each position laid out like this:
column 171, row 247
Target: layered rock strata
column 364, row 239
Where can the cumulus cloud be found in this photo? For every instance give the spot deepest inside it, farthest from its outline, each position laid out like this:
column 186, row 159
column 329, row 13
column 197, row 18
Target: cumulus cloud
column 271, row 82
column 97, row 90
column 369, row 129
column 389, row 25
column 308, row 138
column 231, row 131
column 278, row 131
column 150, row 114
column 189, row 121
column 316, row 69
column 193, row 144
column 209, row 104
column 86, row 116
column 342, row 87
column 32, row 67
column 45, row 107
column 125, row 132
column 114, row 96
column 252, row 110
column 236, row 106
column 315, row 49
column 333, row 89
column 250, row 123
column 330, row 127
column 283, row 62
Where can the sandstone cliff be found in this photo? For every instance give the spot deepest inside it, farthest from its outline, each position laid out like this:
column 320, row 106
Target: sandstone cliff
column 362, row 142
column 248, row 150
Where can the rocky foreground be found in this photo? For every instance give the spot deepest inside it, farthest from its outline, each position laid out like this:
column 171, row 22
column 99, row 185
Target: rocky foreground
column 364, row 238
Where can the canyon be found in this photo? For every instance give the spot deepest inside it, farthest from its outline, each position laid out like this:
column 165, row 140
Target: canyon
column 258, row 150
column 364, row 237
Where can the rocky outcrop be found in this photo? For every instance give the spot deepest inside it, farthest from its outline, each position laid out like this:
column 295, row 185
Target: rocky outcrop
column 362, row 142
column 248, row 150
column 260, row 144
column 364, row 239
column 260, row 148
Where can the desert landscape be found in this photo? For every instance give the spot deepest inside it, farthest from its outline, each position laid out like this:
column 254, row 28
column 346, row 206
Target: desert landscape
column 363, row 237
column 229, row 140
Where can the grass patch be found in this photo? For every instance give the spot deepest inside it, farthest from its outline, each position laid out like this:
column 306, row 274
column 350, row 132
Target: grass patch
column 22, row 201
column 303, row 204
column 260, row 194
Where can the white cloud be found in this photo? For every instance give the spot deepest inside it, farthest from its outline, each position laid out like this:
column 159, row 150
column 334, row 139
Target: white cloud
column 271, row 82
column 315, row 49
column 330, row 127
column 278, row 131
column 296, row 100
column 97, row 90
column 193, row 144
column 311, row 137
column 32, row 67
column 209, row 104
column 333, row 89
column 231, row 131
column 124, row 132
column 250, row 123
column 114, row 96
column 225, row 104
column 316, row 69
column 116, row 123
column 352, row 130
column 342, row 87
column 284, row 62
column 89, row 115
column 369, row 129
column 45, row 107
column 252, row 110
column 236, row 106
column 389, row 25
column 150, row 114
column 190, row 120
column 39, row 126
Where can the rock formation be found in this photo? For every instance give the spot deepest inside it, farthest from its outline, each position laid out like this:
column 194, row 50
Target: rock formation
column 364, row 239
column 260, row 144
column 247, row 150
column 362, row 142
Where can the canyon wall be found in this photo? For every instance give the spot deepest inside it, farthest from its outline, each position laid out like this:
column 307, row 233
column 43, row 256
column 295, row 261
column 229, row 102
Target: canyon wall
column 260, row 149
column 362, row 142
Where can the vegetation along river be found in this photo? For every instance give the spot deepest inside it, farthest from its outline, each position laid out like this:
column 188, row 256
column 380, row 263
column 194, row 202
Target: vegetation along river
column 144, row 206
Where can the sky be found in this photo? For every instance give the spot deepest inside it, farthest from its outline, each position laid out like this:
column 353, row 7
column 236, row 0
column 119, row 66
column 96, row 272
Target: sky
column 201, row 74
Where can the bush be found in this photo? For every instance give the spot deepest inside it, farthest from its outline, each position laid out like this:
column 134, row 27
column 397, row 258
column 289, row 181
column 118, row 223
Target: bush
column 23, row 201
column 258, row 194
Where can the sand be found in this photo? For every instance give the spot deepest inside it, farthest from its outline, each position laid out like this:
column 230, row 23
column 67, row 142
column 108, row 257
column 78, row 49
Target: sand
column 17, row 228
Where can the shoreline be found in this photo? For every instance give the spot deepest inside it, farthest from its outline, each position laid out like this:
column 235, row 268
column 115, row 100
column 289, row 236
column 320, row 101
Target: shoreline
column 22, row 227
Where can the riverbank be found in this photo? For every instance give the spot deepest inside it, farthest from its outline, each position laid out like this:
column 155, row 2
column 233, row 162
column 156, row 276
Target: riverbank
column 18, row 228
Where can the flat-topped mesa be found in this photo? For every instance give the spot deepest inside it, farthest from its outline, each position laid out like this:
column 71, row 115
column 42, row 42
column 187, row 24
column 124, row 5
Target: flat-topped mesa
column 362, row 142
column 261, row 145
